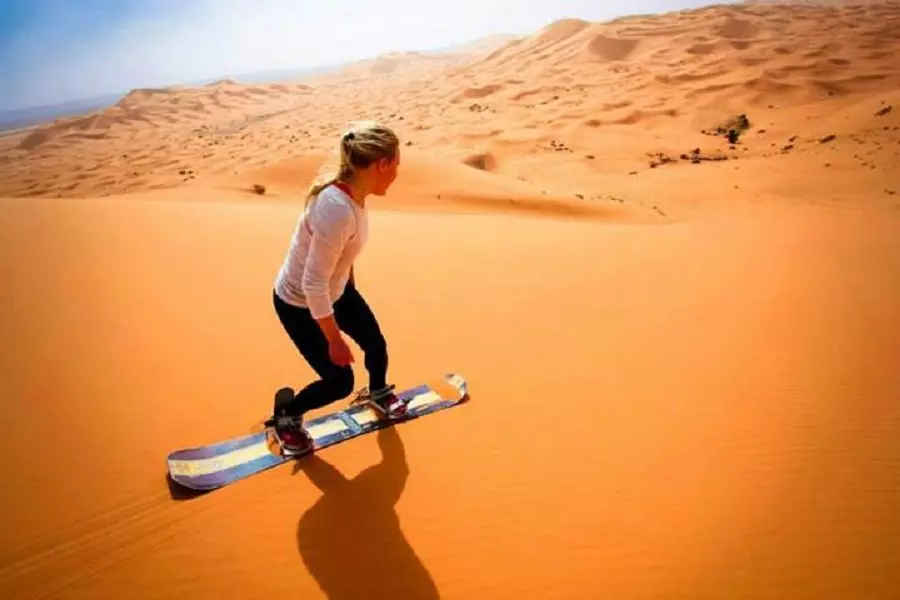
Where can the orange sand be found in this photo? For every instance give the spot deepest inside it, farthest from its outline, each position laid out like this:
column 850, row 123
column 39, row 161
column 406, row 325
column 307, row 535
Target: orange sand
column 684, row 382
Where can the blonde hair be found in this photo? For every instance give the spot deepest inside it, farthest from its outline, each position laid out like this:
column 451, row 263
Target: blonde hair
column 362, row 144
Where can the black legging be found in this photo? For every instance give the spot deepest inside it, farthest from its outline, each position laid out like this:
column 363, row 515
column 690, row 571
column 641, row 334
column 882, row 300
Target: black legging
column 355, row 318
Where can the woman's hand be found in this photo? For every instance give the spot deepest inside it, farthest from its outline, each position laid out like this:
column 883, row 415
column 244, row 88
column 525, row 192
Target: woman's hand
column 339, row 351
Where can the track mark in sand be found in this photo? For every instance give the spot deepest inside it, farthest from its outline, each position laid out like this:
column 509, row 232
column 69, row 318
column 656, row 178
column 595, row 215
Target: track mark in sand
column 79, row 552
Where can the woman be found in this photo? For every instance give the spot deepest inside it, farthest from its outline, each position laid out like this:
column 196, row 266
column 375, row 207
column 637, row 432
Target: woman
column 315, row 295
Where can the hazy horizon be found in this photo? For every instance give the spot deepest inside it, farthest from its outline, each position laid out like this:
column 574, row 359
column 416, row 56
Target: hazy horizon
column 54, row 51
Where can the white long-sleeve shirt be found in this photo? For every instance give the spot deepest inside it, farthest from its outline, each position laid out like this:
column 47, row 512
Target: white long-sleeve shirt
column 328, row 237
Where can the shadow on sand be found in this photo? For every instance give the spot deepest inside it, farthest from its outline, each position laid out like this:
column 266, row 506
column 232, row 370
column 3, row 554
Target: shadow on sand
column 351, row 541
column 181, row 493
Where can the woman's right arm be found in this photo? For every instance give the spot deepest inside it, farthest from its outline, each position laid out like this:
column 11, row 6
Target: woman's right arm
column 329, row 327
column 331, row 230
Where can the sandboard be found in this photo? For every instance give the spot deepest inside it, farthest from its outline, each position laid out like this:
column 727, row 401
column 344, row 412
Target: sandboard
column 219, row 464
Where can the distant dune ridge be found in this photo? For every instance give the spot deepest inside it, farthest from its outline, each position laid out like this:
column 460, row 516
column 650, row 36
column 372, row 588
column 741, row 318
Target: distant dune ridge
column 664, row 250
column 673, row 70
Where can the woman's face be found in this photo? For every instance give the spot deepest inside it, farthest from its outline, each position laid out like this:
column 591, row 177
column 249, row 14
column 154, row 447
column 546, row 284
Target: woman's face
column 385, row 172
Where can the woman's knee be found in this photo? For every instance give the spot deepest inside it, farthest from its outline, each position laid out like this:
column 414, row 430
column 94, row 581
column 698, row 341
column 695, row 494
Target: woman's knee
column 341, row 381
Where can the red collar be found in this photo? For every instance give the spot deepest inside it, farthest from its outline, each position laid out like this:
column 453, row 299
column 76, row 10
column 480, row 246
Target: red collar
column 343, row 187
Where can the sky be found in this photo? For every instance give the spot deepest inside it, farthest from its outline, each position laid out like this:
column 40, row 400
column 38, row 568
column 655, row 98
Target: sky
column 54, row 51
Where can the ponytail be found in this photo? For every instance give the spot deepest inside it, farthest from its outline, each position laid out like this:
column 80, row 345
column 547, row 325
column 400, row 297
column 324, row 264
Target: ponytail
column 318, row 186
column 327, row 179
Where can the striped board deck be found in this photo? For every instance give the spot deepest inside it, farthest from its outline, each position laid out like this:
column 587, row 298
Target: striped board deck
column 219, row 464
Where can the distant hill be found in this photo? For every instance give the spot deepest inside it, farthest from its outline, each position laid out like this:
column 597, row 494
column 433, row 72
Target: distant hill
column 25, row 117
column 481, row 46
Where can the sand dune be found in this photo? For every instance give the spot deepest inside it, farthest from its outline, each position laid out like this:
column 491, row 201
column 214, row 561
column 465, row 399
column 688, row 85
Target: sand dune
column 673, row 75
column 680, row 72
column 664, row 250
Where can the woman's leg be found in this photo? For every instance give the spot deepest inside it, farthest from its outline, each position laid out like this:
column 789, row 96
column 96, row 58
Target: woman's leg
column 335, row 382
column 354, row 317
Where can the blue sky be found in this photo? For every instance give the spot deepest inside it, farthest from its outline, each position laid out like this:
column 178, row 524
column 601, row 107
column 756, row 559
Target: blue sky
column 61, row 50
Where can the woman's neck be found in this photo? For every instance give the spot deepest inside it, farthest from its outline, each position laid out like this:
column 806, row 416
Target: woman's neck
column 357, row 190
